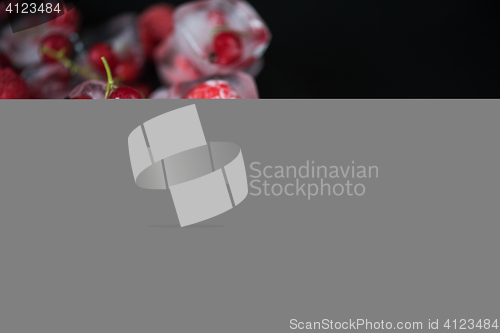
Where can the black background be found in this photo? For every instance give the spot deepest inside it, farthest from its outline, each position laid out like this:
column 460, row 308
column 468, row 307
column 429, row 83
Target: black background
column 368, row 48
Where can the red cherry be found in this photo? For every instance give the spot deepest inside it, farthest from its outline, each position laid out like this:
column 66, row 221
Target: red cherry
column 82, row 97
column 127, row 71
column 227, row 48
column 99, row 50
column 212, row 89
column 12, row 86
column 55, row 43
column 125, row 93
column 154, row 25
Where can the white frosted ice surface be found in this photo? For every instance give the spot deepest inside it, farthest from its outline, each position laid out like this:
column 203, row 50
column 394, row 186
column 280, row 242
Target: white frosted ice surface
column 93, row 89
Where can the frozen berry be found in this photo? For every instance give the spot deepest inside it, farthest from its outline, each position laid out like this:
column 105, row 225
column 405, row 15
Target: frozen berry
column 127, row 71
column 82, row 97
column 154, row 25
column 5, row 60
column 99, row 50
column 212, row 89
column 227, row 48
column 125, row 93
column 12, row 86
column 55, row 46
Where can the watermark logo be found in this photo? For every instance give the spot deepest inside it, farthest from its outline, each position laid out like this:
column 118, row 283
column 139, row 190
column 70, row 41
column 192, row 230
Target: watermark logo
column 171, row 151
column 23, row 15
column 310, row 179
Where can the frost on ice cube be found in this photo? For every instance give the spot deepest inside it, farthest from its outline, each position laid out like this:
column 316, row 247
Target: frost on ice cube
column 214, row 36
column 238, row 85
column 92, row 89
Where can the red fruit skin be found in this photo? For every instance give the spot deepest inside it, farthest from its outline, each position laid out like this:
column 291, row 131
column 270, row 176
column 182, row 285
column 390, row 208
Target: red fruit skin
column 55, row 42
column 5, row 61
column 213, row 89
column 227, row 47
column 125, row 93
column 99, row 50
column 12, row 86
column 155, row 24
column 127, row 71
column 82, row 97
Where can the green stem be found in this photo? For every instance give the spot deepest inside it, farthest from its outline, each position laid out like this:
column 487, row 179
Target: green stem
column 111, row 83
column 66, row 62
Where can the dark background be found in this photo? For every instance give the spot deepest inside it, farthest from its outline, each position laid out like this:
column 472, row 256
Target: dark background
column 369, row 48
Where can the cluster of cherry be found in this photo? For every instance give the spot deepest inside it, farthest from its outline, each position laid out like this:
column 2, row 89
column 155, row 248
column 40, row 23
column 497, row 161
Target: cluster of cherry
column 208, row 49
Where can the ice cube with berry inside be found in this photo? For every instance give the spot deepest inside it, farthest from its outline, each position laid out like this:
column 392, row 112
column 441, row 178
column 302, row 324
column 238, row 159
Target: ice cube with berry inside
column 238, row 85
column 23, row 47
column 214, row 36
column 117, row 41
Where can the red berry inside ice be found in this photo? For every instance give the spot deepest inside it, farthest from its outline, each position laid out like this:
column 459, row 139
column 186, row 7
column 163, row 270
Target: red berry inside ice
column 125, row 93
column 11, row 85
column 127, row 71
column 54, row 47
column 227, row 48
column 212, row 89
column 99, row 50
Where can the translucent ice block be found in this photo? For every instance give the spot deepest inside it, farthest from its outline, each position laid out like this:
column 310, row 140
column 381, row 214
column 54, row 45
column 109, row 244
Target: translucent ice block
column 92, row 89
column 23, row 46
column 192, row 49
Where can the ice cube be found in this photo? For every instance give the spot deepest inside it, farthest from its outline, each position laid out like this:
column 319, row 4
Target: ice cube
column 214, row 37
column 23, row 46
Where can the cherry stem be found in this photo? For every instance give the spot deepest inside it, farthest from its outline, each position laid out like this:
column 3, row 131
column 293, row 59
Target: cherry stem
column 66, row 62
column 111, row 83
